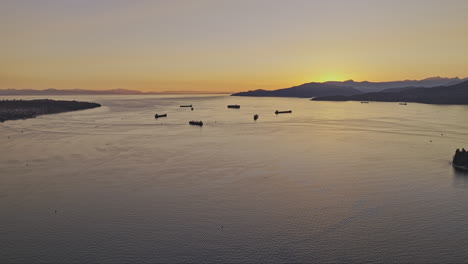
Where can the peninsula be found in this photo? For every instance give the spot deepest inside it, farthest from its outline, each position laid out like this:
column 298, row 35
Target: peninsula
column 23, row 109
column 303, row 91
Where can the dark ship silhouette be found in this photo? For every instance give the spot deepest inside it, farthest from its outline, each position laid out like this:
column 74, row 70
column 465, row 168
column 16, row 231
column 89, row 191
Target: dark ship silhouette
column 460, row 160
column 158, row 116
column 196, row 123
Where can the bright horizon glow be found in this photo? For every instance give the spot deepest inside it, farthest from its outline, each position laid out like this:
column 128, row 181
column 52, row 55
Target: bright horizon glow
column 227, row 46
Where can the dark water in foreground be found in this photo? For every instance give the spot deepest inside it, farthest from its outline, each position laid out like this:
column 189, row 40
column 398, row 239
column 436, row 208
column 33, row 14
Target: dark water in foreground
column 331, row 182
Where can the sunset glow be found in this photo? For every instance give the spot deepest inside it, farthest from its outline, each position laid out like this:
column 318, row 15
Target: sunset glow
column 227, row 45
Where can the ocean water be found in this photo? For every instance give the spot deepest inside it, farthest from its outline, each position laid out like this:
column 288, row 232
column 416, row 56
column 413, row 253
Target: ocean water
column 331, row 182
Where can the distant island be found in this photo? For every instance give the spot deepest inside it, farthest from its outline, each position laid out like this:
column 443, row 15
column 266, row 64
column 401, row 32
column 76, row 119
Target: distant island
column 53, row 91
column 453, row 94
column 22, row 109
column 350, row 87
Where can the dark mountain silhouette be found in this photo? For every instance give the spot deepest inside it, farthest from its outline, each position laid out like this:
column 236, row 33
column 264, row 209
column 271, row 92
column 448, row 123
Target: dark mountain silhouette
column 304, row 91
column 453, row 94
column 350, row 87
column 380, row 86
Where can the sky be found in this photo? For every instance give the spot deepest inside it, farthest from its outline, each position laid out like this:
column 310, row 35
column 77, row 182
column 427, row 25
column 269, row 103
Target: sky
column 227, row 45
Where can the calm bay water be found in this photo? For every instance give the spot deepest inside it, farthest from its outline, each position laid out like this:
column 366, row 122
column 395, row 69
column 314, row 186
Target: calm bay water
column 331, row 182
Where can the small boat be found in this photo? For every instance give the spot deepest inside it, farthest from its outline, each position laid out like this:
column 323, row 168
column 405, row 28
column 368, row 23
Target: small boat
column 158, row 116
column 402, row 103
column 283, row 112
column 186, row 106
column 255, row 117
column 196, row 123
column 234, row 106
column 364, row 102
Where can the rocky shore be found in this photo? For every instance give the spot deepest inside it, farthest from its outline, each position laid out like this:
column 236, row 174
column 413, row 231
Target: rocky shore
column 22, row 109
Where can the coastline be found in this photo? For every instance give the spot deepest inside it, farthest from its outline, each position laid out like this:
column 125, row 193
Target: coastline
column 24, row 109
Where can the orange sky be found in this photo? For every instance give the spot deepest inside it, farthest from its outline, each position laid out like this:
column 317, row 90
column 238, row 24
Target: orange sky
column 227, row 45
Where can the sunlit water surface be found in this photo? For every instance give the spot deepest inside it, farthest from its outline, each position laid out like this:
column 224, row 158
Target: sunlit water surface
column 331, row 182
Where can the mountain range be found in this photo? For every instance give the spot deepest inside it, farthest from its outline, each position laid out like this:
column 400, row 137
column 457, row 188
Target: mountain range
column 350, row 87
column 306, row 90
column 452, row 94
column 52, row 91
column 366, row 86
